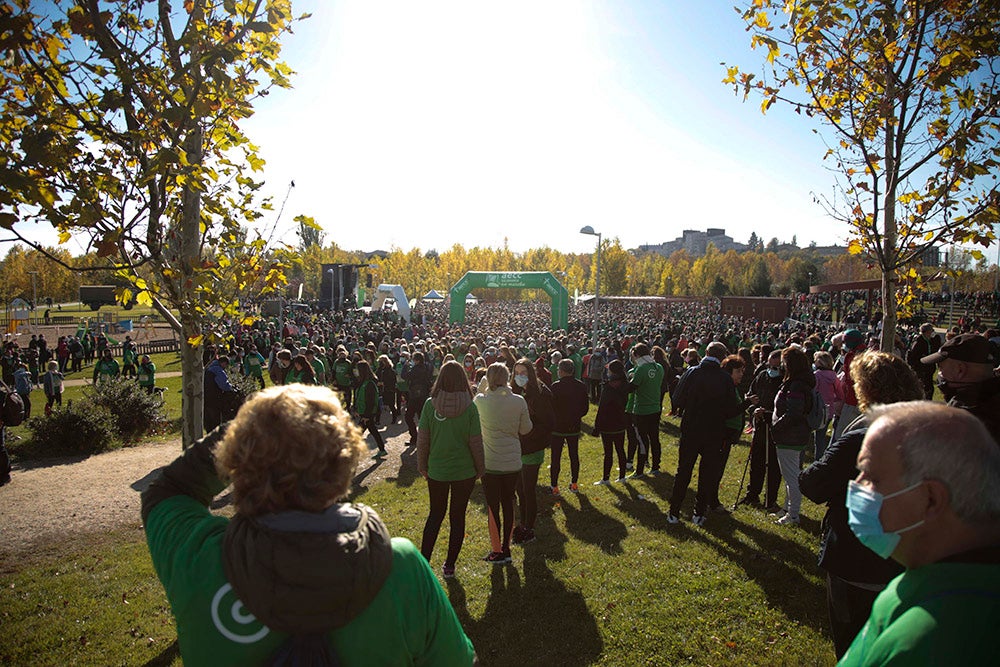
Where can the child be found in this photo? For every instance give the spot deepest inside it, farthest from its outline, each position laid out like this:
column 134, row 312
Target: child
column 52, row 384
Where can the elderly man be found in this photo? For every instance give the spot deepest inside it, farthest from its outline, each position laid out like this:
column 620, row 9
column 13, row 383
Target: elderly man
column 928, row 495
column 966, row 378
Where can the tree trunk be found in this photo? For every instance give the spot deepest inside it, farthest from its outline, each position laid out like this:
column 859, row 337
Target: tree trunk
column 192, row 369
column 890, row 234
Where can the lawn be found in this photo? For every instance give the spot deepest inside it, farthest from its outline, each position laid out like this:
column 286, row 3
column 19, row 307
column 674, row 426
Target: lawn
column 608, row 582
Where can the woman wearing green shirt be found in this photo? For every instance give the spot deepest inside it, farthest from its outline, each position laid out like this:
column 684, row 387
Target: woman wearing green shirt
column 450, row 457
column 301, row 371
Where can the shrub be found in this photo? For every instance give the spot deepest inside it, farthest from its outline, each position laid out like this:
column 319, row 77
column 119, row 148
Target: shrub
column 135, row 412
column 78, row 428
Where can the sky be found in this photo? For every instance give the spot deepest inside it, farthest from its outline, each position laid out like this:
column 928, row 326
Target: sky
column 441, row 122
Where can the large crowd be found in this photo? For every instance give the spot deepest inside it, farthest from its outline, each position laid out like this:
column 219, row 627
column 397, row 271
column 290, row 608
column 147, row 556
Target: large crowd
column 911, row 537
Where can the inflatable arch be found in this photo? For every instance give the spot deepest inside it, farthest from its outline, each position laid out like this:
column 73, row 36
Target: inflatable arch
column 512, row 280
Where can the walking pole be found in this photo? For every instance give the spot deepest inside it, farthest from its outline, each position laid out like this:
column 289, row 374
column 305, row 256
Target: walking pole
column 743, row 479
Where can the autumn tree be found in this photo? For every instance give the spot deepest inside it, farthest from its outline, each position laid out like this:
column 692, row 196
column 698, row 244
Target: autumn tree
column 908, row 90
column 120, row 124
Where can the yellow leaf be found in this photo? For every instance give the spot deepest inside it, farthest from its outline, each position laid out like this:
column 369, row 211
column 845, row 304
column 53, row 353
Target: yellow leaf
column 144, row 298
column 761, row 20
column 140, row 283
column 195, row 341
column 854, row 247
column 64, row 237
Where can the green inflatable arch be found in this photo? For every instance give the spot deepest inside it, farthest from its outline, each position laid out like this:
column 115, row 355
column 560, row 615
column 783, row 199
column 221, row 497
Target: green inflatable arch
column 512, row 280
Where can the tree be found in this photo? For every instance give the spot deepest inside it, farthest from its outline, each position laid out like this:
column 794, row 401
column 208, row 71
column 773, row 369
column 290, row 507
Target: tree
column 909, row 91
column 120, row 122
column 754, row 242
column 310, row 234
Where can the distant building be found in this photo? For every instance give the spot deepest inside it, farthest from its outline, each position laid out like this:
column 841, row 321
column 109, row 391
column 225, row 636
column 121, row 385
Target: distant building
column 696, row 243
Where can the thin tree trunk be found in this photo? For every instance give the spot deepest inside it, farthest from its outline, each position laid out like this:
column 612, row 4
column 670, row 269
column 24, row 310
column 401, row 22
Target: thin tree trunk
column 192, row 369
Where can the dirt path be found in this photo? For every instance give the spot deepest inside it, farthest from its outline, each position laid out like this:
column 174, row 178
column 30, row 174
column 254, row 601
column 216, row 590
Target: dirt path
column 58, row 500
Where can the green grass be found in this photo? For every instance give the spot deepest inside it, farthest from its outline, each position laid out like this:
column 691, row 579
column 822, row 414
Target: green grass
column 608, row 582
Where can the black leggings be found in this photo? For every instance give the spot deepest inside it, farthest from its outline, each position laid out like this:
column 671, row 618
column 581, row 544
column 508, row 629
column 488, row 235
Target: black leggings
column 613, row 442
column 647, row 430
column 499, row 490
column 460, row 491
column 527, row 502
column 368, row 423
column 573, row 446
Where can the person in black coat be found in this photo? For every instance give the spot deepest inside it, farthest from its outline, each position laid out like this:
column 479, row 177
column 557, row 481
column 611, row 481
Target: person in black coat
column 763, row 455
column 419, row 380
column 533, row 446
column 706, row 399
column 570, row 402
column 854, row 573
column 611, row 420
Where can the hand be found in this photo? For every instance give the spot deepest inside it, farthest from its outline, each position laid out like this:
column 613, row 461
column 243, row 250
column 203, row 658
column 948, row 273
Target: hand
column 754, row 399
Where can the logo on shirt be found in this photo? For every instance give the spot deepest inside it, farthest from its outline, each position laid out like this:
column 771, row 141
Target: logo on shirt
column 233, row 621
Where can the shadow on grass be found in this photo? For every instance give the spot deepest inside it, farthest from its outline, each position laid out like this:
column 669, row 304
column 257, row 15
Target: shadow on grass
column 166, row 657
column 588, row 524
column 769, row 560
column 542, row 621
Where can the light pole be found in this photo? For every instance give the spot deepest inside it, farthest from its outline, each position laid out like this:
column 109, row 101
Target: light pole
column 34, row 290
column 597, row 280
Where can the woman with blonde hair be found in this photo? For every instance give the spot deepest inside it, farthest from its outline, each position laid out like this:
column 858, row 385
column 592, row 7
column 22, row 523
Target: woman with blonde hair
column 503, row 416
column 854, row 574
column 296, row 576
column 450, row 457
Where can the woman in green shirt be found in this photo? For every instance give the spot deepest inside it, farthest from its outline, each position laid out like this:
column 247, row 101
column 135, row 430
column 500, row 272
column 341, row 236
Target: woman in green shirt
column 301, row 371
column 450, row 457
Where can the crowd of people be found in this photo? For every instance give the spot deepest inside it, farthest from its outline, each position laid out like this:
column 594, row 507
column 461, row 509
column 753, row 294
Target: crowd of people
column 910, row 540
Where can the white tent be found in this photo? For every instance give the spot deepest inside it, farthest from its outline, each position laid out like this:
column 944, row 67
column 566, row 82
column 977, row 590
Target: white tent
column 471, row 298
column 433, row 295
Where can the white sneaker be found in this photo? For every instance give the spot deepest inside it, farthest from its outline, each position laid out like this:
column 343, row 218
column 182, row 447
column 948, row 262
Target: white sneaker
column 673, row 519
column 698, row 520
column 788, row 520
column 620, row 480
column 601, row 482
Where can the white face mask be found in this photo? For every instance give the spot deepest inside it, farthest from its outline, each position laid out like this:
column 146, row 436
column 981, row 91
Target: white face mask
column 521, row 380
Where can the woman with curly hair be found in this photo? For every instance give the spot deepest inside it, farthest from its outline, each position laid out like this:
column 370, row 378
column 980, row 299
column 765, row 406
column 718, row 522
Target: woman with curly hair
column 854, row 574
column 296, row 576
column 450, row 458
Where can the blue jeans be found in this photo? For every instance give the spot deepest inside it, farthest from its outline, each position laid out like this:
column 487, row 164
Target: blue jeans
column 822, row 441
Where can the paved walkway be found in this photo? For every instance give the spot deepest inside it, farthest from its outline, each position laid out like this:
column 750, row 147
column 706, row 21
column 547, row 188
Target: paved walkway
column 83, row 381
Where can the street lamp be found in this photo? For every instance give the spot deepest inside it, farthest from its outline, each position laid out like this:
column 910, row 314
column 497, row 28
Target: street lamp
column 34, row 290
column 588, row 230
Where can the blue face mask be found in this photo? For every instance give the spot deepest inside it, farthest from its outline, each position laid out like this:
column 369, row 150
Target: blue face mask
column 863, row 508
column 521, row 380
column 773, row 372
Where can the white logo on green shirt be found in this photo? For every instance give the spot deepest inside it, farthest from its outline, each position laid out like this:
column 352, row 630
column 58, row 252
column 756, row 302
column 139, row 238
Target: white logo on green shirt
column 238, row 616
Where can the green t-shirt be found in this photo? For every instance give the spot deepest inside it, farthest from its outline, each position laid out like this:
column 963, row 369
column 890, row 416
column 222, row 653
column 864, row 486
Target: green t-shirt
column 342, row 372
column 449, row 459
column 253, row 364
column 410, row 621
column 146, row 376
column 319, row 370
column 938, row 614
column 648, row 377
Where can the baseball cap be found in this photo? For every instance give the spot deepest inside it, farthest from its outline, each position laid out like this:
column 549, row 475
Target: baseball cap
column 969, row 347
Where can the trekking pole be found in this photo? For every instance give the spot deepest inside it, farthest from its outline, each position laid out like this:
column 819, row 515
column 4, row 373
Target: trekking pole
column 743, row 478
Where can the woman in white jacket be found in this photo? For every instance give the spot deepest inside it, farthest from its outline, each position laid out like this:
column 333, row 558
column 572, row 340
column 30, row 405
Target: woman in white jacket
column 503, row 417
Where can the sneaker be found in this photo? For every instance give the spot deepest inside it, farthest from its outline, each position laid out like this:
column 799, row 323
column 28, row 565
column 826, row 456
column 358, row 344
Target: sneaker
column 601, row 482
column 749, row 501
column 620, row 479
column 554, row 490
column 788, row 520
column 654, row 472
column 574, row 487
column 498, row 557
column 629, row 466
column 637, row 475
column 527, row 537
column 448, row 571
column 774, row 508
column 380, row 454
column 673, row 518
column 698, row 520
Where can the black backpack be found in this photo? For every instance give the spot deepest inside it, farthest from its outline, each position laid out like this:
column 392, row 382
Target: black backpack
column 11, row 406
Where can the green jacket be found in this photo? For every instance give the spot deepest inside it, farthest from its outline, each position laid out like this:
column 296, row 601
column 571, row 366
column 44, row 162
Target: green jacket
column 939, row 614
column 647, row 378
column 301, row 572
column 106, row 368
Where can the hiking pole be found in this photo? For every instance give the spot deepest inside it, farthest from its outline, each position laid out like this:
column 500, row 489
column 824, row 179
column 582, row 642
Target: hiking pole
column 743, row 479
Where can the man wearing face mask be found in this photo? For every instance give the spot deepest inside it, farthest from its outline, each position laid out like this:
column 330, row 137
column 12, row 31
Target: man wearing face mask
column 966, row 378
column 928, row 495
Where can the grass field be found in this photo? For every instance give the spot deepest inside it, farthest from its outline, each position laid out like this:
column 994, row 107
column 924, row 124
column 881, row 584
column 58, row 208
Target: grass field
column 608, row 582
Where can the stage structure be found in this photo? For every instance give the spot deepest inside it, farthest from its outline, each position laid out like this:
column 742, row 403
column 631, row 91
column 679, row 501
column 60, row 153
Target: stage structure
column 338, row 287
column 542, row 280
